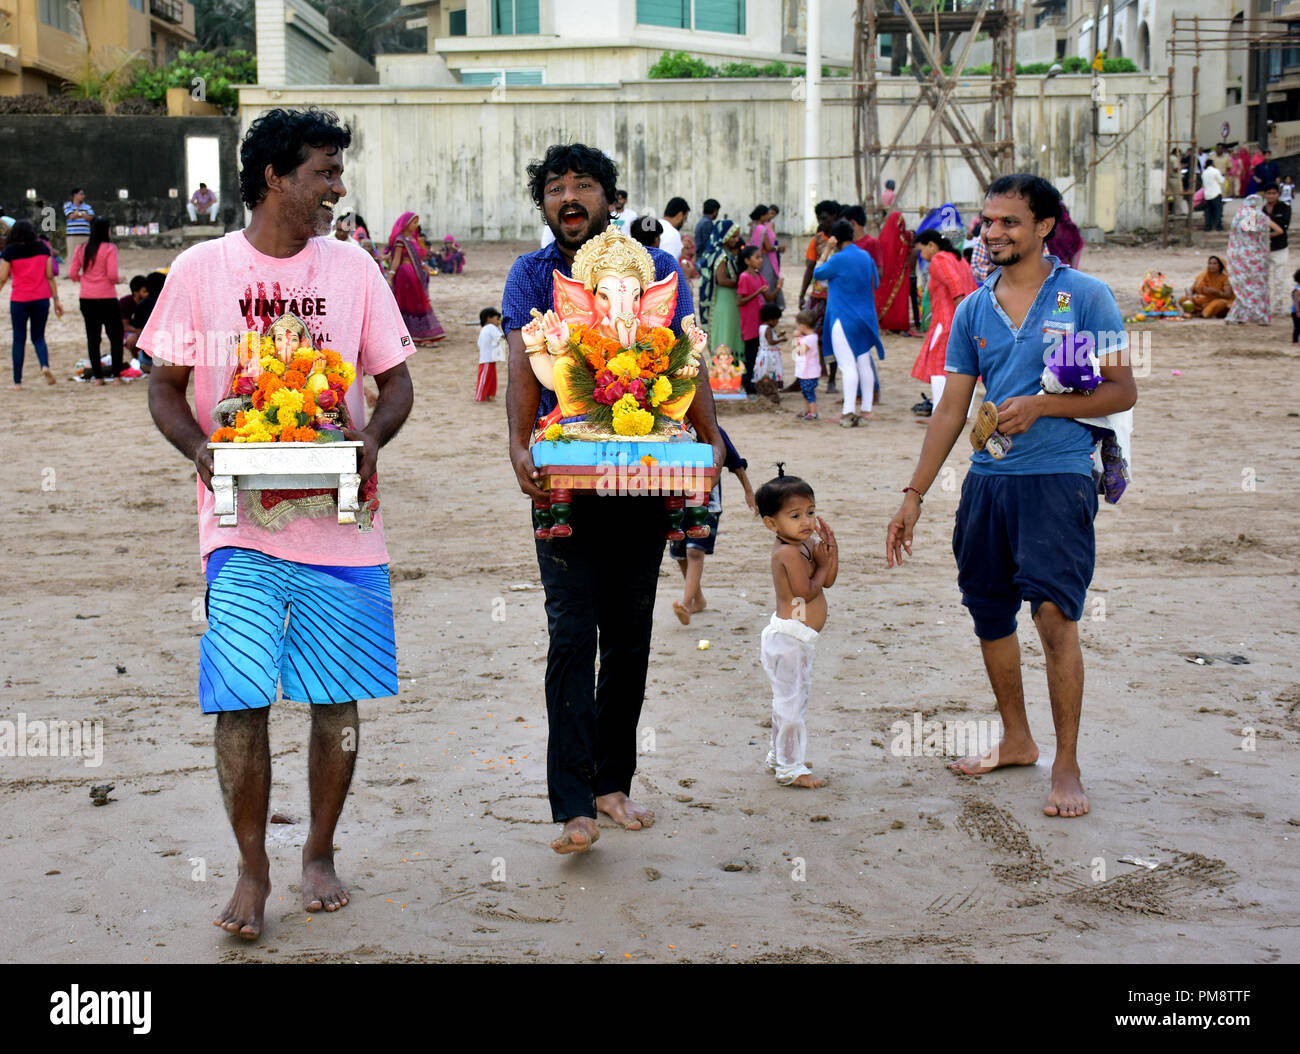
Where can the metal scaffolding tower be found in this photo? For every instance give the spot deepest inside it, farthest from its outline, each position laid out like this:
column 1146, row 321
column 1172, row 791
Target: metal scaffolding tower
column 930, row 36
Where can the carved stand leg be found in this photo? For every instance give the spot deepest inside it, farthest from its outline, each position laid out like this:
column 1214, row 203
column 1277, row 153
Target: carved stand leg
column 225, row 495
column 542, row 518
column 696, row 513
column 561, row 510
column 675, row 505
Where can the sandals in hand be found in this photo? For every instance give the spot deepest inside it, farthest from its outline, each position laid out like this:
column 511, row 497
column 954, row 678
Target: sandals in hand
column 985, row 435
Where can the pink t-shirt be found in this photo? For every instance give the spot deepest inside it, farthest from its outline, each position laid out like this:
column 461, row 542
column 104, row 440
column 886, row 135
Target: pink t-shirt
column 751, row 313
column 222, row 288
column 807, row 358
column 27, row 276
column 99, row 280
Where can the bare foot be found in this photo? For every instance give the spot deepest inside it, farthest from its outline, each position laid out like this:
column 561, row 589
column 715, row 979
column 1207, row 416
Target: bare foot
column 682, row 612
column 1018, row 752
column 1067, row 797
column 806, row 780
column 321, row 888
column 697, row 604
column 243, row 915
column 625, row 812
column 578, row 836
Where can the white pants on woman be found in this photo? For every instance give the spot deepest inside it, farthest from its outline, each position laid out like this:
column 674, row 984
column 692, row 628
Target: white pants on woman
column 787, row 654
column 856, row 371
column 937, row 383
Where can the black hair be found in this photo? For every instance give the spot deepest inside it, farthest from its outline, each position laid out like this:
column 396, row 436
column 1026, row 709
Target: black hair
column 889, row 184
column 23, row 232
column 842, row 231
column 139, row 282
column 487, row 314
column 282, row 139
column 854, row 214
column 1267, row 187
column 357, row 221
column 930, row 236
column 676, row 205
column 774, row 208
column 647, row 229
column 747, row 251
column 773, row 494
column 768, row 312
column 571, row 157
column 833, row 207
column 203, row 186
column 74, row 191
column 154, row 282
column 757, row 212
column 99, row 234
column 619, row 191
column 968, row 253
column 711, row 206
column 1043, row 199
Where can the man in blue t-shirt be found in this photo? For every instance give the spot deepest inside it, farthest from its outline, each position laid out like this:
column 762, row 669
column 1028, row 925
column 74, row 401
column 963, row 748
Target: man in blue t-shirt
column 78, row 216
column 1024, row 527
column 591, row 746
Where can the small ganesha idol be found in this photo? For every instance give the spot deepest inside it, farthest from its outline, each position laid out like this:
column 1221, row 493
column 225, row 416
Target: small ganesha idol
column 605, row 349
column 620, row 375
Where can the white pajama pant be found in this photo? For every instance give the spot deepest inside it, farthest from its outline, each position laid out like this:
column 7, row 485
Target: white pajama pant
column 193, row 210
column 787, row 654
column 1280, row 281
column 937, row 382
column 856, row 371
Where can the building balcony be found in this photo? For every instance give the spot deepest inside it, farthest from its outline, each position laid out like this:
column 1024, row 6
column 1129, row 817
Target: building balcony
column 168, row 10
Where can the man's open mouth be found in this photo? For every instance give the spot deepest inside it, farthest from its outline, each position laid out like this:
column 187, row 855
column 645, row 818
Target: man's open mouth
column 327, row 204
column 573, row 217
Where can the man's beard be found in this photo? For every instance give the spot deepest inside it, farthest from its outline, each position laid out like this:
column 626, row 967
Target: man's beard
column 1011, row 257
column 596, row 222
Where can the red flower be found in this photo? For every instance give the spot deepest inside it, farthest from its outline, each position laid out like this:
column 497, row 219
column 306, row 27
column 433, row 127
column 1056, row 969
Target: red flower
column 327, row 398
column 245, row 385
column 637, row 390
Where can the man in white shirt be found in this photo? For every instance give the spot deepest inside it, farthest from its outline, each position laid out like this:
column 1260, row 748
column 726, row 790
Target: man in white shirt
column 675, row 213
column 620, row 216
column 1212, row 185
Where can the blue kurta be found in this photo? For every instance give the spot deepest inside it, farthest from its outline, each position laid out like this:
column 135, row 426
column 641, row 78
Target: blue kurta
column 851, row 279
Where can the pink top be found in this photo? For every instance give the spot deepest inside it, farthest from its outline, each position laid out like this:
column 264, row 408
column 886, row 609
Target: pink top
column 807, row 358
column 28, row 277
column 750, row 314
column 99, row 281
column 218, row 290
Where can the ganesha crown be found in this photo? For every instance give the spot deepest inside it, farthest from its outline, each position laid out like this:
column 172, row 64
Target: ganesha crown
column 612, row 253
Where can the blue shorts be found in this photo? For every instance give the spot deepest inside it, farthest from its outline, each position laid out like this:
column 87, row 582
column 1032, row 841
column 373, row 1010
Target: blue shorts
column 808, row 385
column 677, row 550
column 324, row 634
column 1023, row 538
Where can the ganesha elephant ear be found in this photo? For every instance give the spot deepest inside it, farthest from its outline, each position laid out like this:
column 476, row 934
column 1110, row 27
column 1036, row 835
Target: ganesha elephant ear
column 659, row 301
column 573, row 300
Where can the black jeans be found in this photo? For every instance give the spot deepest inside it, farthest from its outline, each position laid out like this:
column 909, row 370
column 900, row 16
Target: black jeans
column 600, row 595
column 106, row 314
column 1214, row 214
column 751, row 357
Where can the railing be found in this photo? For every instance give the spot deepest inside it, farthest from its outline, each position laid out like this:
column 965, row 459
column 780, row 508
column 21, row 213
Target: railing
column 168, row 10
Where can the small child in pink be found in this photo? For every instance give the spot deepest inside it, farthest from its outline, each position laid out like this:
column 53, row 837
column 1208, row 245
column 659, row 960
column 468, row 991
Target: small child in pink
column 807, row 363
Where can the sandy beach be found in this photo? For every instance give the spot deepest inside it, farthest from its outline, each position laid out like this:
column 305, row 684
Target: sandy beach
column 1190, row 766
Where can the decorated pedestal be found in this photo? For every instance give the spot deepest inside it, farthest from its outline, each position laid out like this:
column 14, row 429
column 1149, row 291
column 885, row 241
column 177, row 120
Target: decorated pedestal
column 681, row 473
column 284, row 467
column 623, row 383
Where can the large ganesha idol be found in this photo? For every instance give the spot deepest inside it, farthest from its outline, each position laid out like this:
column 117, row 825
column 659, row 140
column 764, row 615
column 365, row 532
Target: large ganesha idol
column 623, row 380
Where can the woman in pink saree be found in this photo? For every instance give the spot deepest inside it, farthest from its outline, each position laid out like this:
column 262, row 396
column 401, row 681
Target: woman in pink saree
column 896, row 266
column 408, row 276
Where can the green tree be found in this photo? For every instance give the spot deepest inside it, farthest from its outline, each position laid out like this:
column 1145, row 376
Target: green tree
column 224, row 24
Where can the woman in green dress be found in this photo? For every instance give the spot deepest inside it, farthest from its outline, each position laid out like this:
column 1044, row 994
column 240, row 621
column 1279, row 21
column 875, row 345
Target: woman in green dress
column 724, row 313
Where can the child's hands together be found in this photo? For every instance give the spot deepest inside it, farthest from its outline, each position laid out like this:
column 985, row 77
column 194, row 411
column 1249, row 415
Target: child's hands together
column 825, row 551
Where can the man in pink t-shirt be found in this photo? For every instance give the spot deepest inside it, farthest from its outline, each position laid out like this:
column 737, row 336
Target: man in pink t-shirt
column 285, row 561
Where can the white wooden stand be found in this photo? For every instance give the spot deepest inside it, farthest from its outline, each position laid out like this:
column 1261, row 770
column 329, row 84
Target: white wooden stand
column 284, row 466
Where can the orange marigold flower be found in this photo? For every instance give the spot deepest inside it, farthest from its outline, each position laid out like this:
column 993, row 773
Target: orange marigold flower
column 239, row 419
column 223, row 435
column 295, row 379
column 266, row 378
column 332, row 358
column 306, row 435
column 259, row 399
column 662, row 339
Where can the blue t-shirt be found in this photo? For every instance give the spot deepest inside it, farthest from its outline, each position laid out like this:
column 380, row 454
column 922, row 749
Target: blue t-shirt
column 984, row 343
column 851, row 278
column 78, row 227
column 531, row 284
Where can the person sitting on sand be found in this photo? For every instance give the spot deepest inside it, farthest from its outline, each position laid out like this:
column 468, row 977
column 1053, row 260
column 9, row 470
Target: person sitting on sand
column 801, row 572
column 1024, row 527
column 690, row 552
column 1211, row 294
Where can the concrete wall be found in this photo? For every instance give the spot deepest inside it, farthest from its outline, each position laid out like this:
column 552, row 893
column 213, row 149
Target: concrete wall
column 294, row 46
column 457, row 155
column 144, row 155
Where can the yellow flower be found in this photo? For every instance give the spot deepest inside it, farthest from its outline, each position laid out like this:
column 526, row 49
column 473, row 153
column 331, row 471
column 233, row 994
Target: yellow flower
column 623, row 365
column 289, row 401
column 635, row 423
column 345, row 369
column 554, row 432
column 270, row 362
column 660, row 390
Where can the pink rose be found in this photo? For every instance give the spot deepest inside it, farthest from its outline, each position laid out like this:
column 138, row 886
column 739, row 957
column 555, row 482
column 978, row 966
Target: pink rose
column 245, row 385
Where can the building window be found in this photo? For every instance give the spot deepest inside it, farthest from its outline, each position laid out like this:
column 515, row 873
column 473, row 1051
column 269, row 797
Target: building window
column 713, row 16
column 456, row 23
column 515, row 17
column 59, row 14
column 138, row 5
column 510, row 78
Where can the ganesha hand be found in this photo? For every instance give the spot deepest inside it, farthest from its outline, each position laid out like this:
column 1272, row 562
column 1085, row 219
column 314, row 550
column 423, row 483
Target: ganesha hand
column 532, row 334
column 556, row 331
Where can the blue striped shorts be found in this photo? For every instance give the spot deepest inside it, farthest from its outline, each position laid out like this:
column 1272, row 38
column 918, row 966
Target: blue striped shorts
column 324, row 634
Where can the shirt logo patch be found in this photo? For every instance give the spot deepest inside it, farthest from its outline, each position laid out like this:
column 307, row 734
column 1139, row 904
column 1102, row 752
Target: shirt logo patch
column 1062, row 301
column 406, row 342
column 983, row 343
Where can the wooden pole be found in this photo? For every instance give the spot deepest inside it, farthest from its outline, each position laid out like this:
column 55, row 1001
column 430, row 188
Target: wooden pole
column 1170, row 167
column 1192, row 157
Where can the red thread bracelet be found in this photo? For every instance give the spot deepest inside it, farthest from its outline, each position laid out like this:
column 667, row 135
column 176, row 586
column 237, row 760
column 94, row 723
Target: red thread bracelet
column 920, row 498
